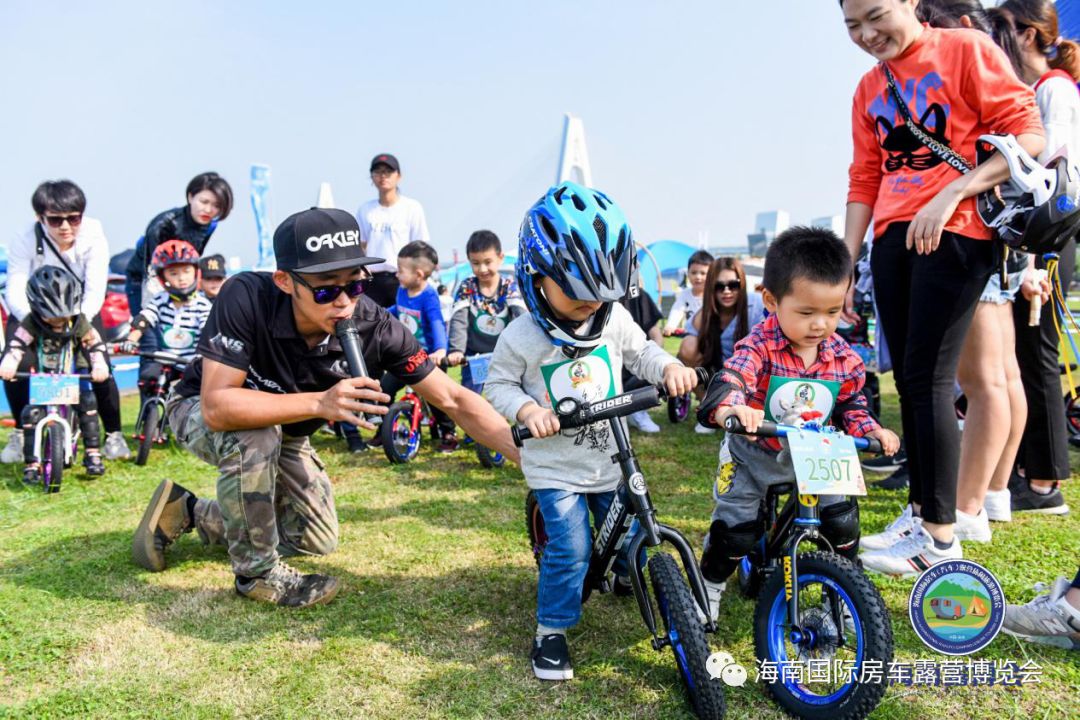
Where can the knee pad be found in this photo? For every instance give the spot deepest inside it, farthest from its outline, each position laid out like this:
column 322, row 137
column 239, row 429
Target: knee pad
column 725, row 545
column 32, row 415
column 840, row 526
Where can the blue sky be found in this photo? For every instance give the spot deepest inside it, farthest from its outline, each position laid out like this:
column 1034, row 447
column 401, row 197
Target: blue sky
column 697, row 114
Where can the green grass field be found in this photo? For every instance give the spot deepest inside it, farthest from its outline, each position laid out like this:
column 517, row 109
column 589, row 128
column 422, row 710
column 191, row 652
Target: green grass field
column 435, row 616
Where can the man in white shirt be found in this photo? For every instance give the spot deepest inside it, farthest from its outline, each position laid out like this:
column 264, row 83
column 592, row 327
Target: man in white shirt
column 61, row 236
column 387, row 224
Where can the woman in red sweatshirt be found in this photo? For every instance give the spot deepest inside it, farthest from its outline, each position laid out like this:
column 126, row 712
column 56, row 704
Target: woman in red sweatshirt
column 931, row 255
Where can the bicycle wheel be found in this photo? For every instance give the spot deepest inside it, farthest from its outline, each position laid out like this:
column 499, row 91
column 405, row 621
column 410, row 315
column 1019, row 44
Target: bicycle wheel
column 399, row 441
column 146, row 429
column 825, row 578
column 678, row 408
column 534, row 523
column 52, row 446
column 489, row 458
column 1072, row 413
column 686, row 635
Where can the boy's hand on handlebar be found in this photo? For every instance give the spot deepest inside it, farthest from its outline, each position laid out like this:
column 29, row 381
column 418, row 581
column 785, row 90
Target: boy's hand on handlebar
column 890, row 443
column 541, row 421
column 350, row 399
column 679, row 379
column 751, row 418
column 455, row 358
column 99, row 373
column 438, row 356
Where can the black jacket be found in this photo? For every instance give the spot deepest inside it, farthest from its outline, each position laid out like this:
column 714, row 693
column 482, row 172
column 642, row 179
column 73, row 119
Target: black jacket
column 175, row 223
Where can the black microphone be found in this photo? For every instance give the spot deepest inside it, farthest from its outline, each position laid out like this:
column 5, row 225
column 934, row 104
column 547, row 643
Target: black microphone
column 349, row 337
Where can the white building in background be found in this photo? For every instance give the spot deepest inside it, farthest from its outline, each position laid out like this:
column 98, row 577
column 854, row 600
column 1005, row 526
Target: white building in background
column 767, row 225
column 830, row 222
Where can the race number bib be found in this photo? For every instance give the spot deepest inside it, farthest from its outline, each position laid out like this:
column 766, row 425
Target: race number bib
column 178, row 338
column 826, row 464
column 586, row 379
column 795, row 401
column 488, row 324
column 54, row 389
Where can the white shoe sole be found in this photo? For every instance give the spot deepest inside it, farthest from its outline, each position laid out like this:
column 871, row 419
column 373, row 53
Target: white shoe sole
column 1060, row 510
column 543, row 674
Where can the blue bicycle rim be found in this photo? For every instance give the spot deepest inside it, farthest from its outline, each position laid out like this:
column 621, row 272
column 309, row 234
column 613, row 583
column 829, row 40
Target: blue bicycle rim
column 676, row 643
column 778, row 635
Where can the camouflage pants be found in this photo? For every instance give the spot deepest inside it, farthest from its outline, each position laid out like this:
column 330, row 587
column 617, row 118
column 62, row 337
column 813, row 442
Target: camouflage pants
column 273, row 495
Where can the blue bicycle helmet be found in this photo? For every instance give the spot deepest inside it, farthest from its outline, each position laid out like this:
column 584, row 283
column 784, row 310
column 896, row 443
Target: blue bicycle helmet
column 580, row 239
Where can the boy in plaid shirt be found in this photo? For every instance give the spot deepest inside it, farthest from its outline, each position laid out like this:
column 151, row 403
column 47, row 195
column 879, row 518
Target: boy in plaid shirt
column 795, row 364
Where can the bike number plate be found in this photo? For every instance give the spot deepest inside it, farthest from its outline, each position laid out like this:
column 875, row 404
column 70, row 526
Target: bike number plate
column 54, row 389
column 478, row 367
column 826, row 464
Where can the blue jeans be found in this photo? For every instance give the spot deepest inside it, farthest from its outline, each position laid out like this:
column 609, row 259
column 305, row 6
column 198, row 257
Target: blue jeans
column 566, row 556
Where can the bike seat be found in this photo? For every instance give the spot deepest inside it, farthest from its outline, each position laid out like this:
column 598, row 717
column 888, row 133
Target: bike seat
column 781, row 489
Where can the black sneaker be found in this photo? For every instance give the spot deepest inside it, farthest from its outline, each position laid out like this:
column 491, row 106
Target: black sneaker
column 899, row 480
column 376, row 440
column 93, row 464
column 356, row 444
column 1024, row 499
column 551, row 658
column 884, row 463
column 622, row 587
column 448, row 443
column 31, row 475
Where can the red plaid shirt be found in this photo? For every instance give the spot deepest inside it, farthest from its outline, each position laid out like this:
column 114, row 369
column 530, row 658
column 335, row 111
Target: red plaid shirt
column 766, row 352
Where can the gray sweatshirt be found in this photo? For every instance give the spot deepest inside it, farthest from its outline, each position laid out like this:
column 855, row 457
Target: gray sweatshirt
column 578, row 460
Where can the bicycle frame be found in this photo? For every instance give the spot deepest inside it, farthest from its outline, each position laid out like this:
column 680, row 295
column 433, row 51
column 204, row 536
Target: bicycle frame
column 797, row 522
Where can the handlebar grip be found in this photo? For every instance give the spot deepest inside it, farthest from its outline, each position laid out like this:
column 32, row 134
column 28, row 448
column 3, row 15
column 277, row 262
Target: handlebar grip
column 873, row 445
column 766, row 429
column 520, row 434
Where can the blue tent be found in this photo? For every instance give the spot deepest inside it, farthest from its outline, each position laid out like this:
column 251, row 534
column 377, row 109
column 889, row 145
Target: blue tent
column 1069, row 20
column 669, row 257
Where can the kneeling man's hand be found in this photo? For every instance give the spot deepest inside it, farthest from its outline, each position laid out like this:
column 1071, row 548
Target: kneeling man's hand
column 350, row 399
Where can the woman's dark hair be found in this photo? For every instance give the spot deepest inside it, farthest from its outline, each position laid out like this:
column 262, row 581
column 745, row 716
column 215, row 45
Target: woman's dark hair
column 482, row 241
column 1013, row 17
column 216, row 184
column 712, row 315
column 59, row 196
column 814, row 254
column 947, row 14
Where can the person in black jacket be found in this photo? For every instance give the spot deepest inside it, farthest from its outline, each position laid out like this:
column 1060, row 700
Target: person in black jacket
column 209, row 201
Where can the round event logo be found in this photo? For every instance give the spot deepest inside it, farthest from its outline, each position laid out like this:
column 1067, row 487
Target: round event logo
column 794, row 402
column 586, row 379
column 489, row 324
column 956, row 607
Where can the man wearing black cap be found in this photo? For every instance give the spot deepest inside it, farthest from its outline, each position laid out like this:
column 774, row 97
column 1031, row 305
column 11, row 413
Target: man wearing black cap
column 387, row 224
column 272, row 372
column 212, row 275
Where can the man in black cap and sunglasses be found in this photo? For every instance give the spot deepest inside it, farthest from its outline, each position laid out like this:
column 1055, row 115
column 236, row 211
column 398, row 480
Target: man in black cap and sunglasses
column 271, row 373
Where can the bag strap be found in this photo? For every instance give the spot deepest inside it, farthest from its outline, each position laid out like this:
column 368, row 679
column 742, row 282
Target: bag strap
column 44, row 241
column 954, row 159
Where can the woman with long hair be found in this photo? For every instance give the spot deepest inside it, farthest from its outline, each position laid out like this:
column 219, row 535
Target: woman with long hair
column 1027, row 30
column 729, row 309
column 916, row 117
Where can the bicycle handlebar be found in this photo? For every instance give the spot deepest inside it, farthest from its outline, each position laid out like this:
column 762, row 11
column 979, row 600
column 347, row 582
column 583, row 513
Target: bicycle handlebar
column 161, row 356
column 732, row 424
column 27, row 375
column 584, row 413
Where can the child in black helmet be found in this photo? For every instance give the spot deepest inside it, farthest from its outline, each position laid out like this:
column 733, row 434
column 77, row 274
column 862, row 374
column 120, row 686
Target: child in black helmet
column 58, row 333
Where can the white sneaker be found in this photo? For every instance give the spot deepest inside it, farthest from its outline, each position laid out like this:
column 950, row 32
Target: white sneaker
column 702, row 430
column 998, row 505
column 893, row 532
column 973, row 527
column 13, row 451
column 911, row 555
column 116, row 447
column 643, row 422
column 713, row 591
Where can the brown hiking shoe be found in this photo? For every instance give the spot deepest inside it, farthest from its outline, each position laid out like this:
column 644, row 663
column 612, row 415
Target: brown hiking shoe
column 165, row 519
column 286, row 586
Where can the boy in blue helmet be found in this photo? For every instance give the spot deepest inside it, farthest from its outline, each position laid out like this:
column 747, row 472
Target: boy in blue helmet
column 575, row 260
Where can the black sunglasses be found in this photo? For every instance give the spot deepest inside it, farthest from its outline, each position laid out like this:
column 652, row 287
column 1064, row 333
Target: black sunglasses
column 56, row 221
column 732, row 285
column 325, row 294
